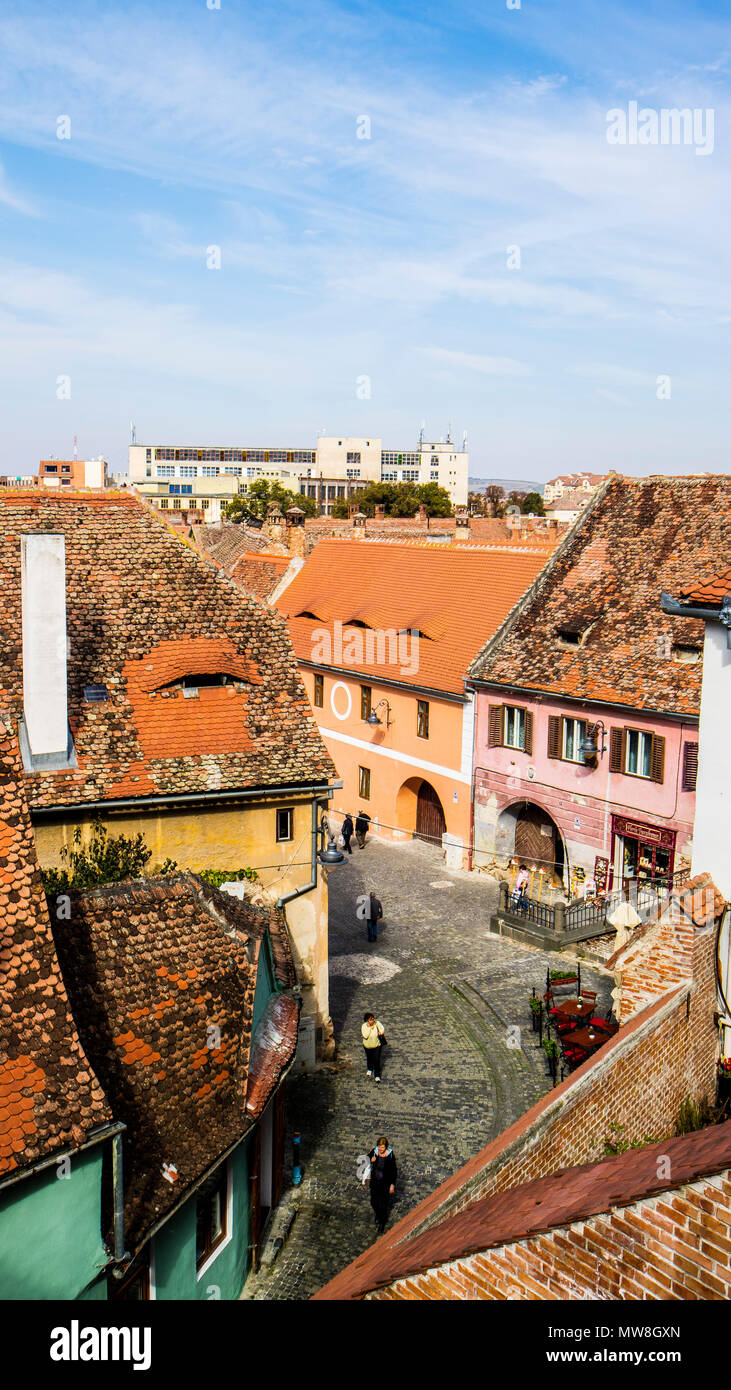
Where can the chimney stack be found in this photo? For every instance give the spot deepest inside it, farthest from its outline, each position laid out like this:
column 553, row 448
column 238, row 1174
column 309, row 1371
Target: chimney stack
column 461, row 523
column 45, row 703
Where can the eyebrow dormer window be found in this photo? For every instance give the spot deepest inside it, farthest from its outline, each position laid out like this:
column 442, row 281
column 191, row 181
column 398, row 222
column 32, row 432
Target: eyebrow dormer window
column 569, row 636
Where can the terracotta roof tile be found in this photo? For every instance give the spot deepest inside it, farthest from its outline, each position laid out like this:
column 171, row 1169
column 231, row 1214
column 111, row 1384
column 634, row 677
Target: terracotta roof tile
column 49, row 1096
column 183, row 1101
column 567, row 1196
column 455, row 596
column 709, row 591
column 638, row 537
column 144, row 609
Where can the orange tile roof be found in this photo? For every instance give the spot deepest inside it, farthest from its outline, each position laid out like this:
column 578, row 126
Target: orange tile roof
column 49, row 1096
column 151, row 967
column 456, row 597
column 709, row 592
column 144, row 608
column 636, row 538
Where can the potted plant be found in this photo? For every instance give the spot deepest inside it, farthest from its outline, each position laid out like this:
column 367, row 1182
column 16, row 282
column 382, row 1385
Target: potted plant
column 550, row 1047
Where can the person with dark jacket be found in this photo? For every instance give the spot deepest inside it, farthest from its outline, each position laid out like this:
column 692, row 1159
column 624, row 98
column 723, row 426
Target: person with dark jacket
column 373, row 917
column 347, row 831
column 361, row 828
column 383, row 1181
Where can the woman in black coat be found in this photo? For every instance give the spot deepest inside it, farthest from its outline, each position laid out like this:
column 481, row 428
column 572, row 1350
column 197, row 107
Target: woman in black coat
column 347, row 832
column 383, row 1181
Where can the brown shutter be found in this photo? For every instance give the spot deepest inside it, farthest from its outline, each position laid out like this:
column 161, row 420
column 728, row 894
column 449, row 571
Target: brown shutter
column 495, row 726
column 616, row 749
column 657, row 758
column 528, row 746
column 554, row 736
column 690, row 766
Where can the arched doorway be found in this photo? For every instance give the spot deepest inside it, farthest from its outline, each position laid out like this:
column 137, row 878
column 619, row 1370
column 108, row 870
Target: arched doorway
column 538, row 841
column 430, row 819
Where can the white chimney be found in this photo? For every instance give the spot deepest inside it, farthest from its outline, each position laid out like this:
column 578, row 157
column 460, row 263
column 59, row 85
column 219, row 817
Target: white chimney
column 43, row 569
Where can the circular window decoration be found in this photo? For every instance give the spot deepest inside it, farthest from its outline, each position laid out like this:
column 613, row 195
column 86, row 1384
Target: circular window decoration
column 340, row 685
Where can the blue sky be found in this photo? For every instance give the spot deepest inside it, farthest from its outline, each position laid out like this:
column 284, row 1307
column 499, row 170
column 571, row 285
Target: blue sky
column 384, row 257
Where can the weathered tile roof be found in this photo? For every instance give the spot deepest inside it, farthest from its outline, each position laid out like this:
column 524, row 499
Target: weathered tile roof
column 572, row 498
column 161, row 973
column 50, row 1098
column 710, row 591
column 637, row 537
column 455, row 596
column 229, row 540
column 567, row 1196
column 144, row 609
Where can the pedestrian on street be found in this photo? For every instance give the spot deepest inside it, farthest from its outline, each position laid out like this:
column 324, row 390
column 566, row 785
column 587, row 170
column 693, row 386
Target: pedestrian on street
column 383, row 1181
column 347, row 832
column 374, row 1036
column 520, row 893
column 361, row 828
column 374, row 915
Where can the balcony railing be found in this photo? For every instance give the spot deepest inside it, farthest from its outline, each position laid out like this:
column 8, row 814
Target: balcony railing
column 586, row 917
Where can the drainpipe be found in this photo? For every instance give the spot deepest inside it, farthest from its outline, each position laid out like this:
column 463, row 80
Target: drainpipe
column 720, row 615
column 308, row 887
column 118, row 1185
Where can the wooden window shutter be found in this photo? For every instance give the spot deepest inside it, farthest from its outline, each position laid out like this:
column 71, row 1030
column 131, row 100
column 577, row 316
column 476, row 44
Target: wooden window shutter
column 528, row 746
column 495, row 726
column 554, row 736
column 616, row 750
column 690, row 766
column 657, row 758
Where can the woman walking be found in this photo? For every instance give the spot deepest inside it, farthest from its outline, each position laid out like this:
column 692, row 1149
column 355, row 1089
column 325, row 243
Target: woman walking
column 373, row 1036
column 383, row 1181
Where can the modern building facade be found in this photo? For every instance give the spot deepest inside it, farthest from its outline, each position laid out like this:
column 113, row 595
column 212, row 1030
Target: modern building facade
column 73, row 473
column 179, row 477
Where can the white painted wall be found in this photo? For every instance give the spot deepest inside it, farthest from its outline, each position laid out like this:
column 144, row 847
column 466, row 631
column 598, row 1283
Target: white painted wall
column 712, row 830
column 43, row 588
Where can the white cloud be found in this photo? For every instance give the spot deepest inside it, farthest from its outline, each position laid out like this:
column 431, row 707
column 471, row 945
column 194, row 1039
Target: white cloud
column 477, row 362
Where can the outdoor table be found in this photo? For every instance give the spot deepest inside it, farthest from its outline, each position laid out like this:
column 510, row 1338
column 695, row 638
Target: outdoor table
column 588, row 1039
column 571, row 1008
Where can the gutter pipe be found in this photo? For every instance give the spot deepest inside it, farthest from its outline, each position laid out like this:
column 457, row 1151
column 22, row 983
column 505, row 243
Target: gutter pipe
column 720, row 615
column 154, row 803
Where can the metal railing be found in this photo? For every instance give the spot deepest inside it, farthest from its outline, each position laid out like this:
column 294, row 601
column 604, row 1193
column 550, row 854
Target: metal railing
column 589, row 915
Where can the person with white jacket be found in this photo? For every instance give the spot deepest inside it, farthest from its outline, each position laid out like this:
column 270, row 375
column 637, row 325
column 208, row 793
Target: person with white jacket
column 373, row 1035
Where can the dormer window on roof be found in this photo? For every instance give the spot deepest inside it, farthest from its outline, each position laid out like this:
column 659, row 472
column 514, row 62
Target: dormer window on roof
column 95, row 694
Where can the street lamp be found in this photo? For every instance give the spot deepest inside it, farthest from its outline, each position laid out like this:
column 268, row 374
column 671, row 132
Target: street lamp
column 330, row 855
column 373, row 717
column 590, row 749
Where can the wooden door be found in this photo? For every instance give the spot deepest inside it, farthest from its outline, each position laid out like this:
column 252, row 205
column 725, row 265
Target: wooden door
column 535, row 839
column 430, row 821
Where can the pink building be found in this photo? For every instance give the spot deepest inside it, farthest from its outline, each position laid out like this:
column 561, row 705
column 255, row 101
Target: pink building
column 587, row 699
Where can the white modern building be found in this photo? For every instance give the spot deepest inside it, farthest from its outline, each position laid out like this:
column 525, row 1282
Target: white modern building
column 180, row 476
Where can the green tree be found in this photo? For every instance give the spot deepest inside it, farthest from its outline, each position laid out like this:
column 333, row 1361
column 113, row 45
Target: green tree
column 532, row 502
column 106, row 859
column 260, row 495
column 399, row 499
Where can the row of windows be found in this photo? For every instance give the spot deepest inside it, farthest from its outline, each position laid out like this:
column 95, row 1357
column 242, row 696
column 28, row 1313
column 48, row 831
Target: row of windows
column 389, row 458
column 366, row 705
column 175, row 504
column 236, row 455
column 635, row 752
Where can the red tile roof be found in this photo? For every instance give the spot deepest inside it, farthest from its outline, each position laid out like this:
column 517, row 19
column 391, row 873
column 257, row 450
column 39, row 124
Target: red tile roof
column 455, row 596
column 570, row 1195
column 50, row 1098
column 143, row 609
column 709, row 592
column 638, row 537
column 161, row 973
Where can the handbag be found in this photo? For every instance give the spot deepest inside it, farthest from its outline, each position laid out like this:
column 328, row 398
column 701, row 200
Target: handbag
column 383, row 1039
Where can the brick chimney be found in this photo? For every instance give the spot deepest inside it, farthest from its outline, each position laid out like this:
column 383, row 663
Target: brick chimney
column 461, row 523
column 295, row 519
column 45, row 702
column 423, row 514
column 274, row 524
column 359, row 523
column 380, row 511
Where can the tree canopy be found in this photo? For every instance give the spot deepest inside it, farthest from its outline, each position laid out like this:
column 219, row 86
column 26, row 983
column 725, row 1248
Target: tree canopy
column 260, row 495
column 399, row 499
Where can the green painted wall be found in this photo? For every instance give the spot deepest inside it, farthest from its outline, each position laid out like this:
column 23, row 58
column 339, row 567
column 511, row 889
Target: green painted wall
column 50, row 1232
column 265, row 984
column 174, row 1260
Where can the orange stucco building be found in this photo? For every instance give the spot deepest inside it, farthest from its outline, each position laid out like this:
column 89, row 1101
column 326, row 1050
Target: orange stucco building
column 385, row 632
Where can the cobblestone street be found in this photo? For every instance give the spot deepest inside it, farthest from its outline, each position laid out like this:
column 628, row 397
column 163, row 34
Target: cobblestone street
column 446, row 993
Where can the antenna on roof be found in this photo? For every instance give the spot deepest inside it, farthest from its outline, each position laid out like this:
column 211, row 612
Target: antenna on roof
column 449, row 432
column 464, row 440
column 132, row 432
column 76, row 451
column 421, row 433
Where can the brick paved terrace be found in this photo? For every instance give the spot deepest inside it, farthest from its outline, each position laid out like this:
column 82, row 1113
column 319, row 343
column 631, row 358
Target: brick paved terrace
column 447, row 993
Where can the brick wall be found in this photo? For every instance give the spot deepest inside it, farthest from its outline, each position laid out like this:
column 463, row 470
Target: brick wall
column 676, row 1246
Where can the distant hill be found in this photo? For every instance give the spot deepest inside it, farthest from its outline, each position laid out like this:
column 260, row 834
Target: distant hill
column 510, row 484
